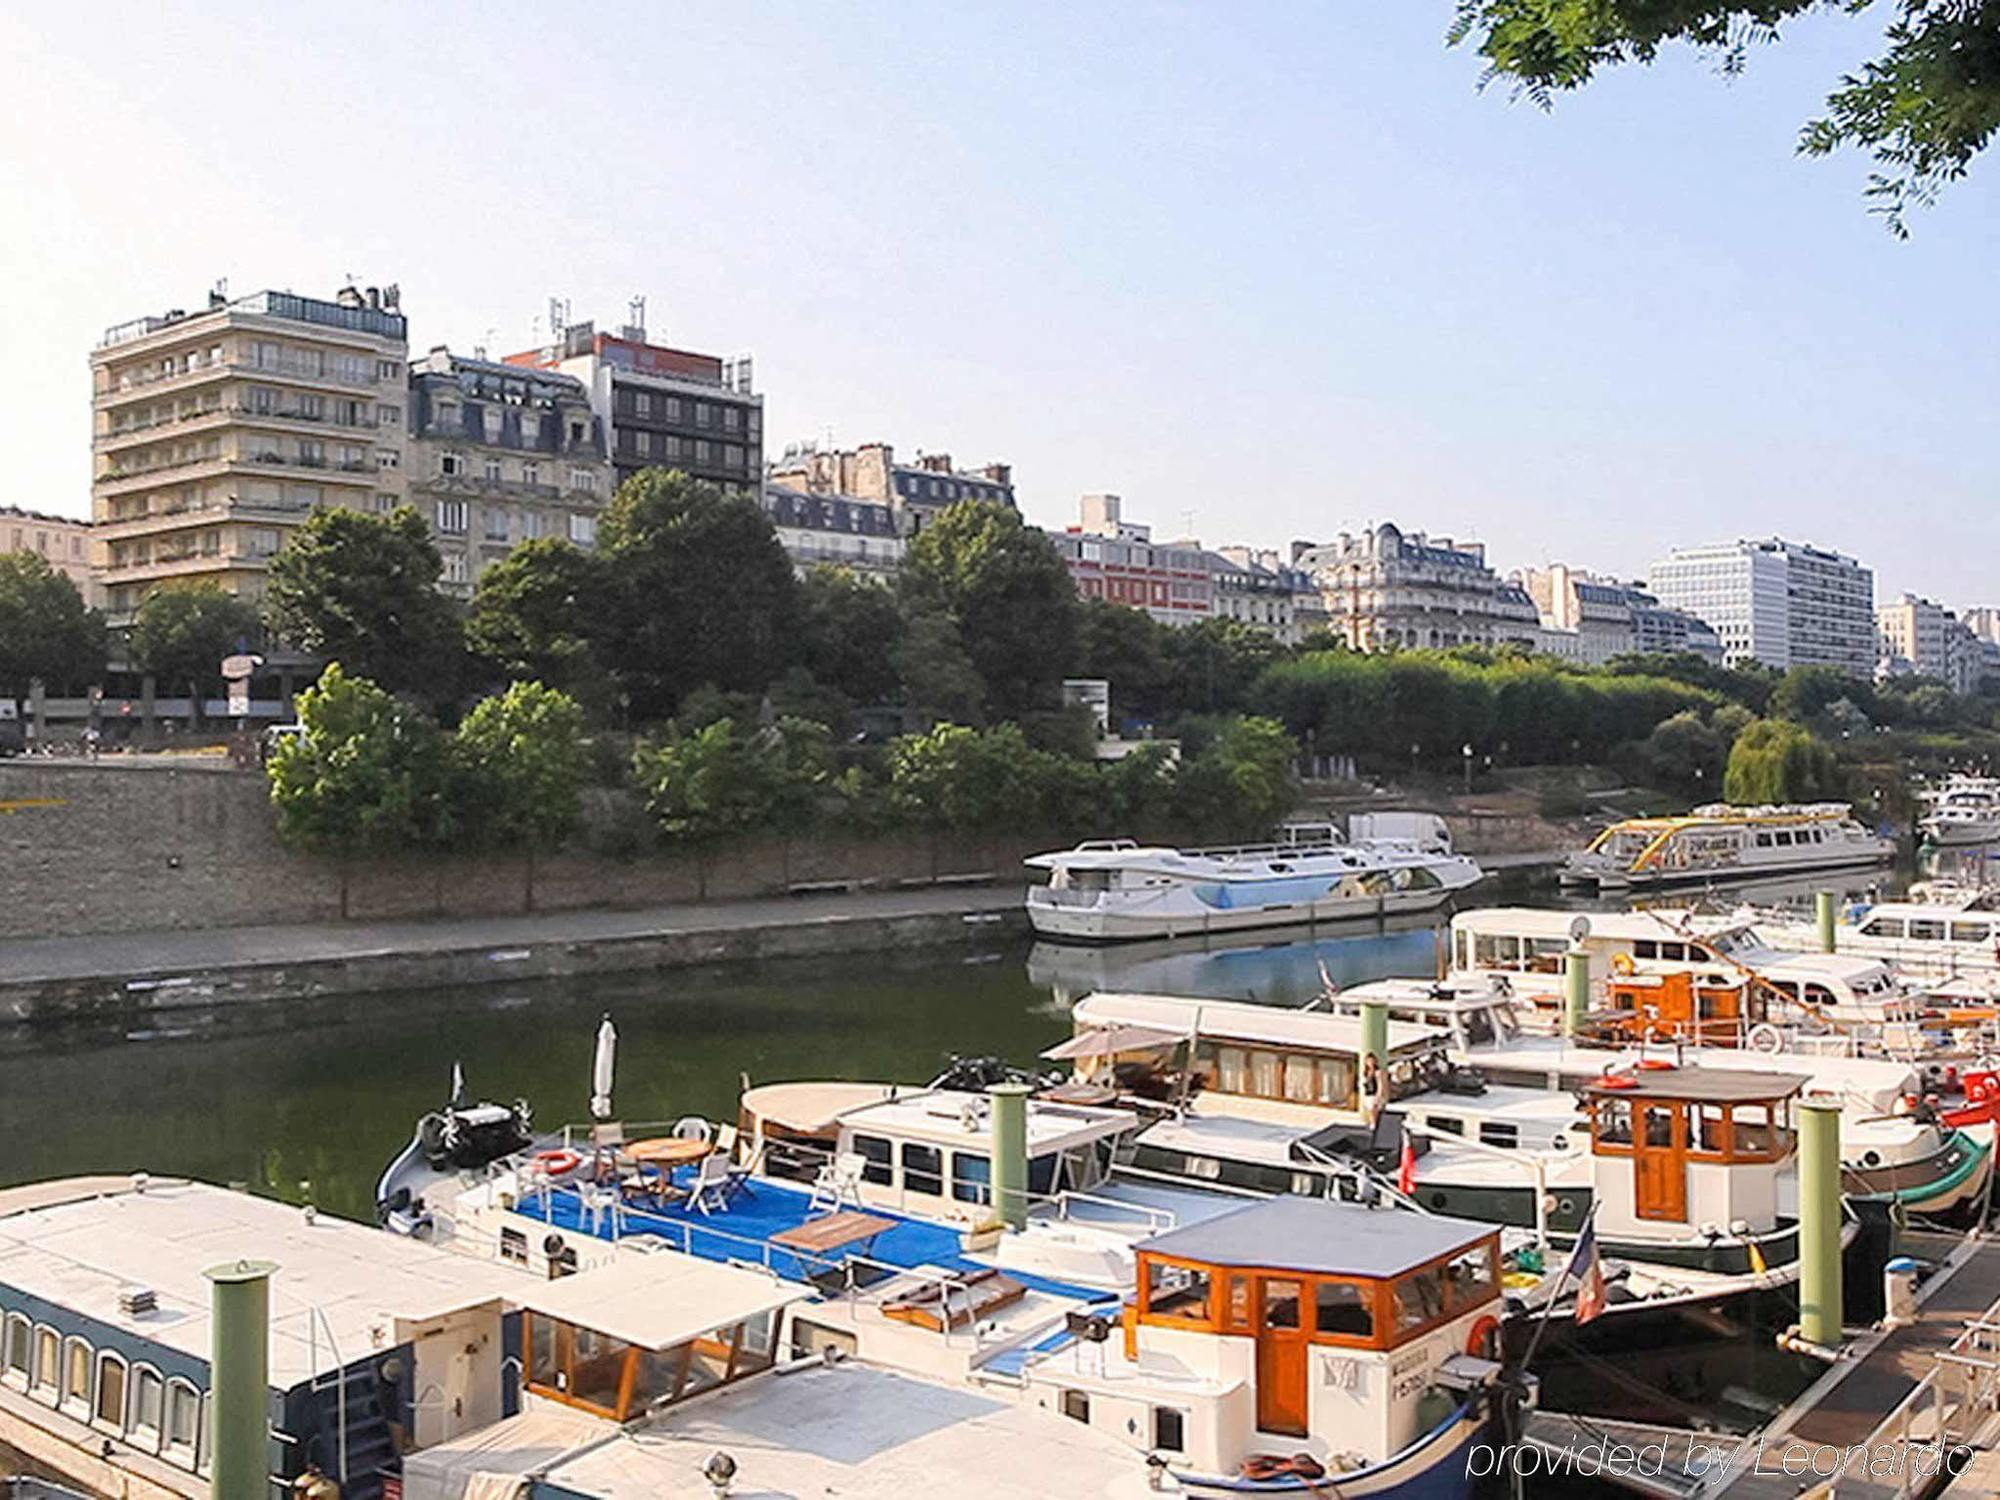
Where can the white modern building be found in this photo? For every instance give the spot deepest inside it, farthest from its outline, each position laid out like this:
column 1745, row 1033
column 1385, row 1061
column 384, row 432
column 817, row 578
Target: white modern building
column 1780, row 603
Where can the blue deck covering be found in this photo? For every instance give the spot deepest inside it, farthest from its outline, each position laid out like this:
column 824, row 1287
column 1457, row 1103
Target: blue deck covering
column 742, row 1233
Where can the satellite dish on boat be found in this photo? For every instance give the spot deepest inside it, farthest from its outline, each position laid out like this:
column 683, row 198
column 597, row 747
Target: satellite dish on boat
column 1579, row 928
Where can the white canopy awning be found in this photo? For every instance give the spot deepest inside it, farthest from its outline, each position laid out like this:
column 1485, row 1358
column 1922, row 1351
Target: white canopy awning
column 1108, row 1041
column 658, row 1300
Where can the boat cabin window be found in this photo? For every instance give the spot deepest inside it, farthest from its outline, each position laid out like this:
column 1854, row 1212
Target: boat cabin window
column 148, row 1402
column 617, row 1380
column 183, row 1417
column 1883, row 927
column 1297, row 1077
column 1969, row 932
column 110, row 1405
column 1497, row 1133
column 1345, row 1309
column 1710, row 1130
column 923, row 1169
column 971, row 1177
column 1445, row 1125
column 1924, row 930
column 874, row 1152
column 1169, row 1430
column 1177, row 1293
column 76, row 1375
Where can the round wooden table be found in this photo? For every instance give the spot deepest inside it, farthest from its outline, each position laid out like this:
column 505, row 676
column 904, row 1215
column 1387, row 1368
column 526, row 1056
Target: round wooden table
column 668, row 1150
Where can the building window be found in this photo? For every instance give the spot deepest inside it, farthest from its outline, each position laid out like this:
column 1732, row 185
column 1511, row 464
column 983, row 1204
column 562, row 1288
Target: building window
column 704, row 414
column 583, row 480
column 384, row 501
column 454, row 567
column 110, row 1404
column 451, row 465
column 20, row 1349
column 496, row 524
column 583, row 530
column 387, row 369
column 183, row 1419
column 76, row 1377
column 388, row 416
column 451, row 517
column 388, row 458
column 48, row 1354
column 531, row 474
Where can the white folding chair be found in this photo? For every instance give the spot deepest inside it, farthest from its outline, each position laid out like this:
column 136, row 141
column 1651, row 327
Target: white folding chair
column 693, row 1128
column 710, row 1192
column 838, row 1182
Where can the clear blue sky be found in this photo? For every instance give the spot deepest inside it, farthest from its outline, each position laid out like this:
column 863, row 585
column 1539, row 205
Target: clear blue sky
column 1280, row 266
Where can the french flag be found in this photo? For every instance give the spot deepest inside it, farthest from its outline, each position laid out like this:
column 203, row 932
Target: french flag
column 1588, row 1273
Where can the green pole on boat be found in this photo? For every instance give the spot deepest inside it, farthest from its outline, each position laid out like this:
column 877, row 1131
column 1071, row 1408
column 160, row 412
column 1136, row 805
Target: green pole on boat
column 1819, row 1223
column 1010, row 1152
column 1374, row 1057
column 1576, row 988
column 1823, row 912
column 239, row 1378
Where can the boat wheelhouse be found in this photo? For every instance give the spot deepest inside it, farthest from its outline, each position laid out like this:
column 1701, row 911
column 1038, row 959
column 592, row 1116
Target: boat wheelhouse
column 1300, row 1346
column 1721, row 842
column 1115, row 889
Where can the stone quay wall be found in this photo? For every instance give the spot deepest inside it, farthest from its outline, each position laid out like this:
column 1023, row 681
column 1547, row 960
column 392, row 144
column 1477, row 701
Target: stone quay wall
column 100, row 847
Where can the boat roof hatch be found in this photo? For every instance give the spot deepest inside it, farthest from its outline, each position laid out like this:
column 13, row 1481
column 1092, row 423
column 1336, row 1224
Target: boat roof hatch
column 1707, row 1085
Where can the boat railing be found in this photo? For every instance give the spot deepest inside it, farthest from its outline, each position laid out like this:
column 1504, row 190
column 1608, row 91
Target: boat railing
column 316, row 1324
column 1947, row 1407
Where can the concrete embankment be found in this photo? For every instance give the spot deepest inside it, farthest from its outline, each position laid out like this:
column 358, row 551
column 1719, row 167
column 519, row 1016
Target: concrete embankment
column 53, row 979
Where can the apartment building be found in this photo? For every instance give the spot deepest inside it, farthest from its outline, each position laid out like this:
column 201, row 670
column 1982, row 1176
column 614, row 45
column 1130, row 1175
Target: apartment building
column 1383, row 590
column 217, row 431
column 501, row 454
column 914, row 491
column 835, row 530
column 1920, row 637
column 1256, row 587
column 661, row 407
column 1781, row 603
column 1118, row 561
column 1588, row 618
column 62, row 541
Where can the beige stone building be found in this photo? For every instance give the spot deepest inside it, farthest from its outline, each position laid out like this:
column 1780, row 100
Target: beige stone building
column 501, row 454
column 915, row 492
column 216, row 431
column 63, row 540
column 1385, row 590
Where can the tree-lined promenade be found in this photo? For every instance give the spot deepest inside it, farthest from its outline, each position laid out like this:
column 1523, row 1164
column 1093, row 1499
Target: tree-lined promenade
column 685, row 663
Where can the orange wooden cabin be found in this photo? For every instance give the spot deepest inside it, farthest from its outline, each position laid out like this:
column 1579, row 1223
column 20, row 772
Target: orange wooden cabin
column 1699, row 1010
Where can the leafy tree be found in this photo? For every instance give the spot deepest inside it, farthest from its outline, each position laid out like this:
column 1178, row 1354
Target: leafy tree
column 182, row 631
column 533, row 616
column 1242, row 785
column 1925, row 108
column 1685, row 754
column 849, row 629
column 960, row 780
column 1128, row 648
column 368, row 775
column 700, row 591
column 935, row 669
column 362, row 590
column 1749, row 684
column 1213, row 664
column 724, row 781
column 1775, row 760
column 46, row 632
column 1009, row 592
column 1805, row 693
column 522, row 754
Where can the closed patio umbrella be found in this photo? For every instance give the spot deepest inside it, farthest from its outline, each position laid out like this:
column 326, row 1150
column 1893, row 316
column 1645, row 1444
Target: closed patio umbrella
column 601, row 1068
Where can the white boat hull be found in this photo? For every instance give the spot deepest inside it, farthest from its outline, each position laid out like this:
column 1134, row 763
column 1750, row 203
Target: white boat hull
column 1107, row 923
column 1818, row 859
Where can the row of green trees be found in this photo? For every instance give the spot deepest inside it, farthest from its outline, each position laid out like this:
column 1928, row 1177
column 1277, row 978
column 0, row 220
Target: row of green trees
column 370, row 775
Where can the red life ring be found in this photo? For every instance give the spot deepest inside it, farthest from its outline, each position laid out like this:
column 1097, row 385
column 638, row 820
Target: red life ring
column 1484, row 1340
column 1655, row 1065
column 1617, row 1081
column 559, row 1162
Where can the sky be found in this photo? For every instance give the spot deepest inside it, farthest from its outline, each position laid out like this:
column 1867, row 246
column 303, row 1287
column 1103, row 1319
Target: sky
column 1269, row 271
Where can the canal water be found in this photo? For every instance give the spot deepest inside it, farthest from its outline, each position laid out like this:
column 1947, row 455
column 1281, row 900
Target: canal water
column 308, row 1101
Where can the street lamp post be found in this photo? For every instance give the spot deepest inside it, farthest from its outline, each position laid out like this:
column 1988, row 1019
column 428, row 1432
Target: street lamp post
column 1467, row 753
